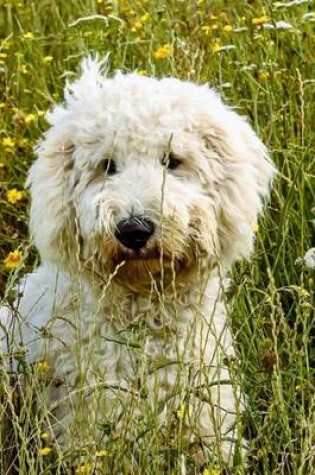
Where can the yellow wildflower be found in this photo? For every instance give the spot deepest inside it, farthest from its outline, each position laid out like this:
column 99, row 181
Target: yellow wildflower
column 45, row 451
column 215, row 47
column 215, row 27
column 23, row 69
column 143, row 72
column 8, row 143
column 145, row 17
column 2, row 105
column 13, row 259
column 6, row 44
column 3, row 55
column 14, row 195
column 43, row 366
column 255, row 227
column 40, row 113
column 264, row 75
column 29, row 118
column 139, row 23
column 228, row 28
column 205, row 28
column 48, row 59
column 84, row 469
column 260, row 21
column 28, row 36
column 181, row 412
column 101, row 453
column 23, row 142
column 211, row 471
column 163, row 52
column 45, row 436
column 136, row 26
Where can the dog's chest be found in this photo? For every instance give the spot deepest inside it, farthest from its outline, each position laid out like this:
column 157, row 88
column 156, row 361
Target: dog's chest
column 120, row 338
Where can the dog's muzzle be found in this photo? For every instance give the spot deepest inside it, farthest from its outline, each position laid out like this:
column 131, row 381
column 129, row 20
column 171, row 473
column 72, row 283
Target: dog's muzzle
column 134, row 232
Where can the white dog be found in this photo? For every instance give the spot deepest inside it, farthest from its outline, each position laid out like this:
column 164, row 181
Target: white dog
column 144, row 193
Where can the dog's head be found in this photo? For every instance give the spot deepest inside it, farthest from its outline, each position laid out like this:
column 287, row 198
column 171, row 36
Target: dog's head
column 138, row 174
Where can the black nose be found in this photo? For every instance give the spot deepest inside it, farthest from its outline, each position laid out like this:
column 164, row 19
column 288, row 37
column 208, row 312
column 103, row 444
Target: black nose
column 134, row 232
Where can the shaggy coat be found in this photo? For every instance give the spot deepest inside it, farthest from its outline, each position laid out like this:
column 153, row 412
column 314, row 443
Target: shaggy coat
column 144, row 194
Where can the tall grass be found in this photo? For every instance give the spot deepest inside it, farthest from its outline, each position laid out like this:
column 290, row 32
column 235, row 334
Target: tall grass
column 268, row 73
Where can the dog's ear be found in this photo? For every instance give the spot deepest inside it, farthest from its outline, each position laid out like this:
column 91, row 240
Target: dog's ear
column 49, row 182
column 244, row 186
column 51, row 174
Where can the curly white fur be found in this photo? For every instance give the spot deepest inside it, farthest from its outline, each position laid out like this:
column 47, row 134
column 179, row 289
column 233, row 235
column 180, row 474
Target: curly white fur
column 129, row 334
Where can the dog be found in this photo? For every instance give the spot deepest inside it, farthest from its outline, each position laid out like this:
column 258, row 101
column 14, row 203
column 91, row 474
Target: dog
column 144, row 193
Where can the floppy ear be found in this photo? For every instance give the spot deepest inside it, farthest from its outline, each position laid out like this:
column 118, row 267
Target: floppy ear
column 49, row 181
column 51, row 177
column 246, row 176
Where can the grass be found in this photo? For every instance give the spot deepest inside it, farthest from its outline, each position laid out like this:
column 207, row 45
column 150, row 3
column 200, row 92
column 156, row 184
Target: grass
column 268, row 74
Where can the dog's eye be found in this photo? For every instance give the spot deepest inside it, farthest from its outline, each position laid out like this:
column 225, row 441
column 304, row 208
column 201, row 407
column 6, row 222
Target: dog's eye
column 170, row 161
column 109, row 167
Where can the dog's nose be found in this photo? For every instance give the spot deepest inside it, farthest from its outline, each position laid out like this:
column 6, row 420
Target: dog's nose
column 134, row 232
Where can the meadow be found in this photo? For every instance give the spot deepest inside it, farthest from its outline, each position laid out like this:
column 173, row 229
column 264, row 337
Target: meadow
column 259, row 55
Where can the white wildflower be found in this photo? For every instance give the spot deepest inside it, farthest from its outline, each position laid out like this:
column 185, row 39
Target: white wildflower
column 248, row 67
column 227, row 47
column 278, row 25
column 308, row 259
column 240, row 29
column 226, row 85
